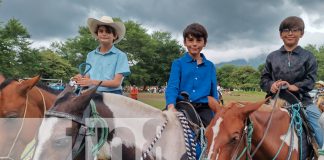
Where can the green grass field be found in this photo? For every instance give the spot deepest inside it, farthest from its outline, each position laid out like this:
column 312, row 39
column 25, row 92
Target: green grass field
column 158, row 101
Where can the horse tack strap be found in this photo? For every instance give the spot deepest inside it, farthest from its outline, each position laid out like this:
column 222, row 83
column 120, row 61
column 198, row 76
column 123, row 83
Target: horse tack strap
column 77, row 147
column 58, row 114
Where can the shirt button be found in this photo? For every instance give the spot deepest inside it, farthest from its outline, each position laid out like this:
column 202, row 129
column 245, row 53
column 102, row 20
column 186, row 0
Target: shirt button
column 193, row 90
column 197, row 67
column 196, row 78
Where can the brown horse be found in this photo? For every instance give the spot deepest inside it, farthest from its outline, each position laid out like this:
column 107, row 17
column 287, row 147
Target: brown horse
column 136, row 130
column 20, row 102
column 226, row 133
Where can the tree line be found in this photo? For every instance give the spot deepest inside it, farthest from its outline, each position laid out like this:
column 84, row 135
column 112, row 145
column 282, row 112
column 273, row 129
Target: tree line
column 150, row 57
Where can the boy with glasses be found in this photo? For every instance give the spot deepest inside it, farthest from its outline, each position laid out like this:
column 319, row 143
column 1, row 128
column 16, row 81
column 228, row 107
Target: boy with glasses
column 295, row 67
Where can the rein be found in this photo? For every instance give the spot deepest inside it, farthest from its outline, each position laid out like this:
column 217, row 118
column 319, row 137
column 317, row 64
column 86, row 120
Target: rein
column 84, row 130
column 18, row 134
column 249, row 136
column 247, row 133
column 21, row 126
column 156, row 138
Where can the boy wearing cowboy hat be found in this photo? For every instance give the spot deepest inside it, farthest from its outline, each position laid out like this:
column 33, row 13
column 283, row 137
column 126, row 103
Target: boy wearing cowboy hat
column 109, row 64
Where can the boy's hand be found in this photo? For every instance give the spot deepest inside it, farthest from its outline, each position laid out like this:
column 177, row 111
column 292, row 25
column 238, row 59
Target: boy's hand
column 275, row 86
column 291, row 87
column 172, row 108
column 85, row 81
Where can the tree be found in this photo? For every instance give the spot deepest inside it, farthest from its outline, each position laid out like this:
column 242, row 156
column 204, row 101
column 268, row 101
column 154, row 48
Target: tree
column 224, row 75
column 14, row 46
column 51, row 65
column 319, row 54
column 75, row 50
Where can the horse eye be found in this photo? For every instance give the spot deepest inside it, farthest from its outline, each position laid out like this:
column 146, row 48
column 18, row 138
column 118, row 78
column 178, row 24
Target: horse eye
column 12, row 115
column 235, row 138
column 62, row 142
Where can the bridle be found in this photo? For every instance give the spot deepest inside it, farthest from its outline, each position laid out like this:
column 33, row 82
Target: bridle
column 82, row 131
column 22, row 124
column 245, row 133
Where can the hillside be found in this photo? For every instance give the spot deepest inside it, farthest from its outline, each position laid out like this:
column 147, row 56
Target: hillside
column 254, row 62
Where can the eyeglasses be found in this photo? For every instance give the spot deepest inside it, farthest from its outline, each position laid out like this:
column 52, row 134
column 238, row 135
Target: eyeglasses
column 292, row 30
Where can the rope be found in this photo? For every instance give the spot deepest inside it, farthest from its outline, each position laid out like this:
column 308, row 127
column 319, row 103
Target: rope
column 249, row 140
column 30, row 148
column 156, row 138
column 18, row 134
column 189, row 139
column 203, row 143
column 84, row 72
column 297, row 122
column 96, row 118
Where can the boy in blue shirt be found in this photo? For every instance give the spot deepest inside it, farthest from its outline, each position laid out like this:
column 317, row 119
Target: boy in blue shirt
column 194, row 74
column 109, row 64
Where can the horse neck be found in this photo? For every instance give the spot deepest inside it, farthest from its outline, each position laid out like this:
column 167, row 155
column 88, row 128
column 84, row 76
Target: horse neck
column 42, row 99
column 260, row 122
column 124, row 107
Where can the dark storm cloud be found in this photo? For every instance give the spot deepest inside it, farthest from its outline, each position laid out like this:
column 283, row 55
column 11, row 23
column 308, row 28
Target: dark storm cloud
column 225, row 20
column 232, row 24
column 45, row 19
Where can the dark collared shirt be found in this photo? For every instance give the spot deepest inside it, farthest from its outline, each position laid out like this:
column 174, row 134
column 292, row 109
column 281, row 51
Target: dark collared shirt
column 298, row 67
column 197, row 80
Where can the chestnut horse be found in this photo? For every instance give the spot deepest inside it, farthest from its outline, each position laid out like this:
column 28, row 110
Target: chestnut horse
column 136, row 130
column 227, row 132
column 20, row 102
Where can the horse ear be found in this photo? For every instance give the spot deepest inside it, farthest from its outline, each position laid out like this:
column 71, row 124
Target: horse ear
column 67, row 89
column 213, row 104
column 251, row 107
column 87, row 95
column 27, row 85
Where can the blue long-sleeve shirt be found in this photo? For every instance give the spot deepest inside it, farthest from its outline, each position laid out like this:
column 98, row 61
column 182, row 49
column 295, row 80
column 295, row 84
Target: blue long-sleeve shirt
column 197, row 80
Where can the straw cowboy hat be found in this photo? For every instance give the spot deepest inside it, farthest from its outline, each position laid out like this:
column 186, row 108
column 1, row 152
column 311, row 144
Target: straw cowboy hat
column 106, row 20
column 320, row 82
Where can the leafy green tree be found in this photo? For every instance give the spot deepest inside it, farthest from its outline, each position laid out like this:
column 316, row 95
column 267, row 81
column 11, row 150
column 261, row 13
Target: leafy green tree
column 319, row 54
column 14, row 46
column 75, row 50
column 224, row 75
column 52, row 65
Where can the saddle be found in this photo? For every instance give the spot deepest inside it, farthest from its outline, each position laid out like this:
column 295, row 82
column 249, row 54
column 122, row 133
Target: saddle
column 308, row 130
column 190, row 113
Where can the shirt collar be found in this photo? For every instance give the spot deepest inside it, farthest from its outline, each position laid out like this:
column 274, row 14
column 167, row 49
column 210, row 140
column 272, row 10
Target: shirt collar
column 188, row 58
column 298, row 49
column 112, row 50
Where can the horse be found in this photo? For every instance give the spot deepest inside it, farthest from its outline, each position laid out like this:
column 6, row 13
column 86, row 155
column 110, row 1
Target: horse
column 136, row 130
column 228, row 132
column 20, row 102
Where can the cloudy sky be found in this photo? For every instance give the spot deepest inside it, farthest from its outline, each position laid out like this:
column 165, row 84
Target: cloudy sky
column 237, row 28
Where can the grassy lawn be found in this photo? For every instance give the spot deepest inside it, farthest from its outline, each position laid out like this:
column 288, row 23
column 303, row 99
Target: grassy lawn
column 157, row 100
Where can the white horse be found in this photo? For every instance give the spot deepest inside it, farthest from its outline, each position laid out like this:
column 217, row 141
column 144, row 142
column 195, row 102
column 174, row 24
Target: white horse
column 136, row 130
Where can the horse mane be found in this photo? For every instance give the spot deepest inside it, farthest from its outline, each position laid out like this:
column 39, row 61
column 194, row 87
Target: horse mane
column 47, row 88
column 6, row 83
column 137, row 106
column 39, row 85
column 267, row 107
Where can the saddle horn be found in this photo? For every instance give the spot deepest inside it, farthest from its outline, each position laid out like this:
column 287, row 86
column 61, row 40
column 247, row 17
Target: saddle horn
column 185, row 96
